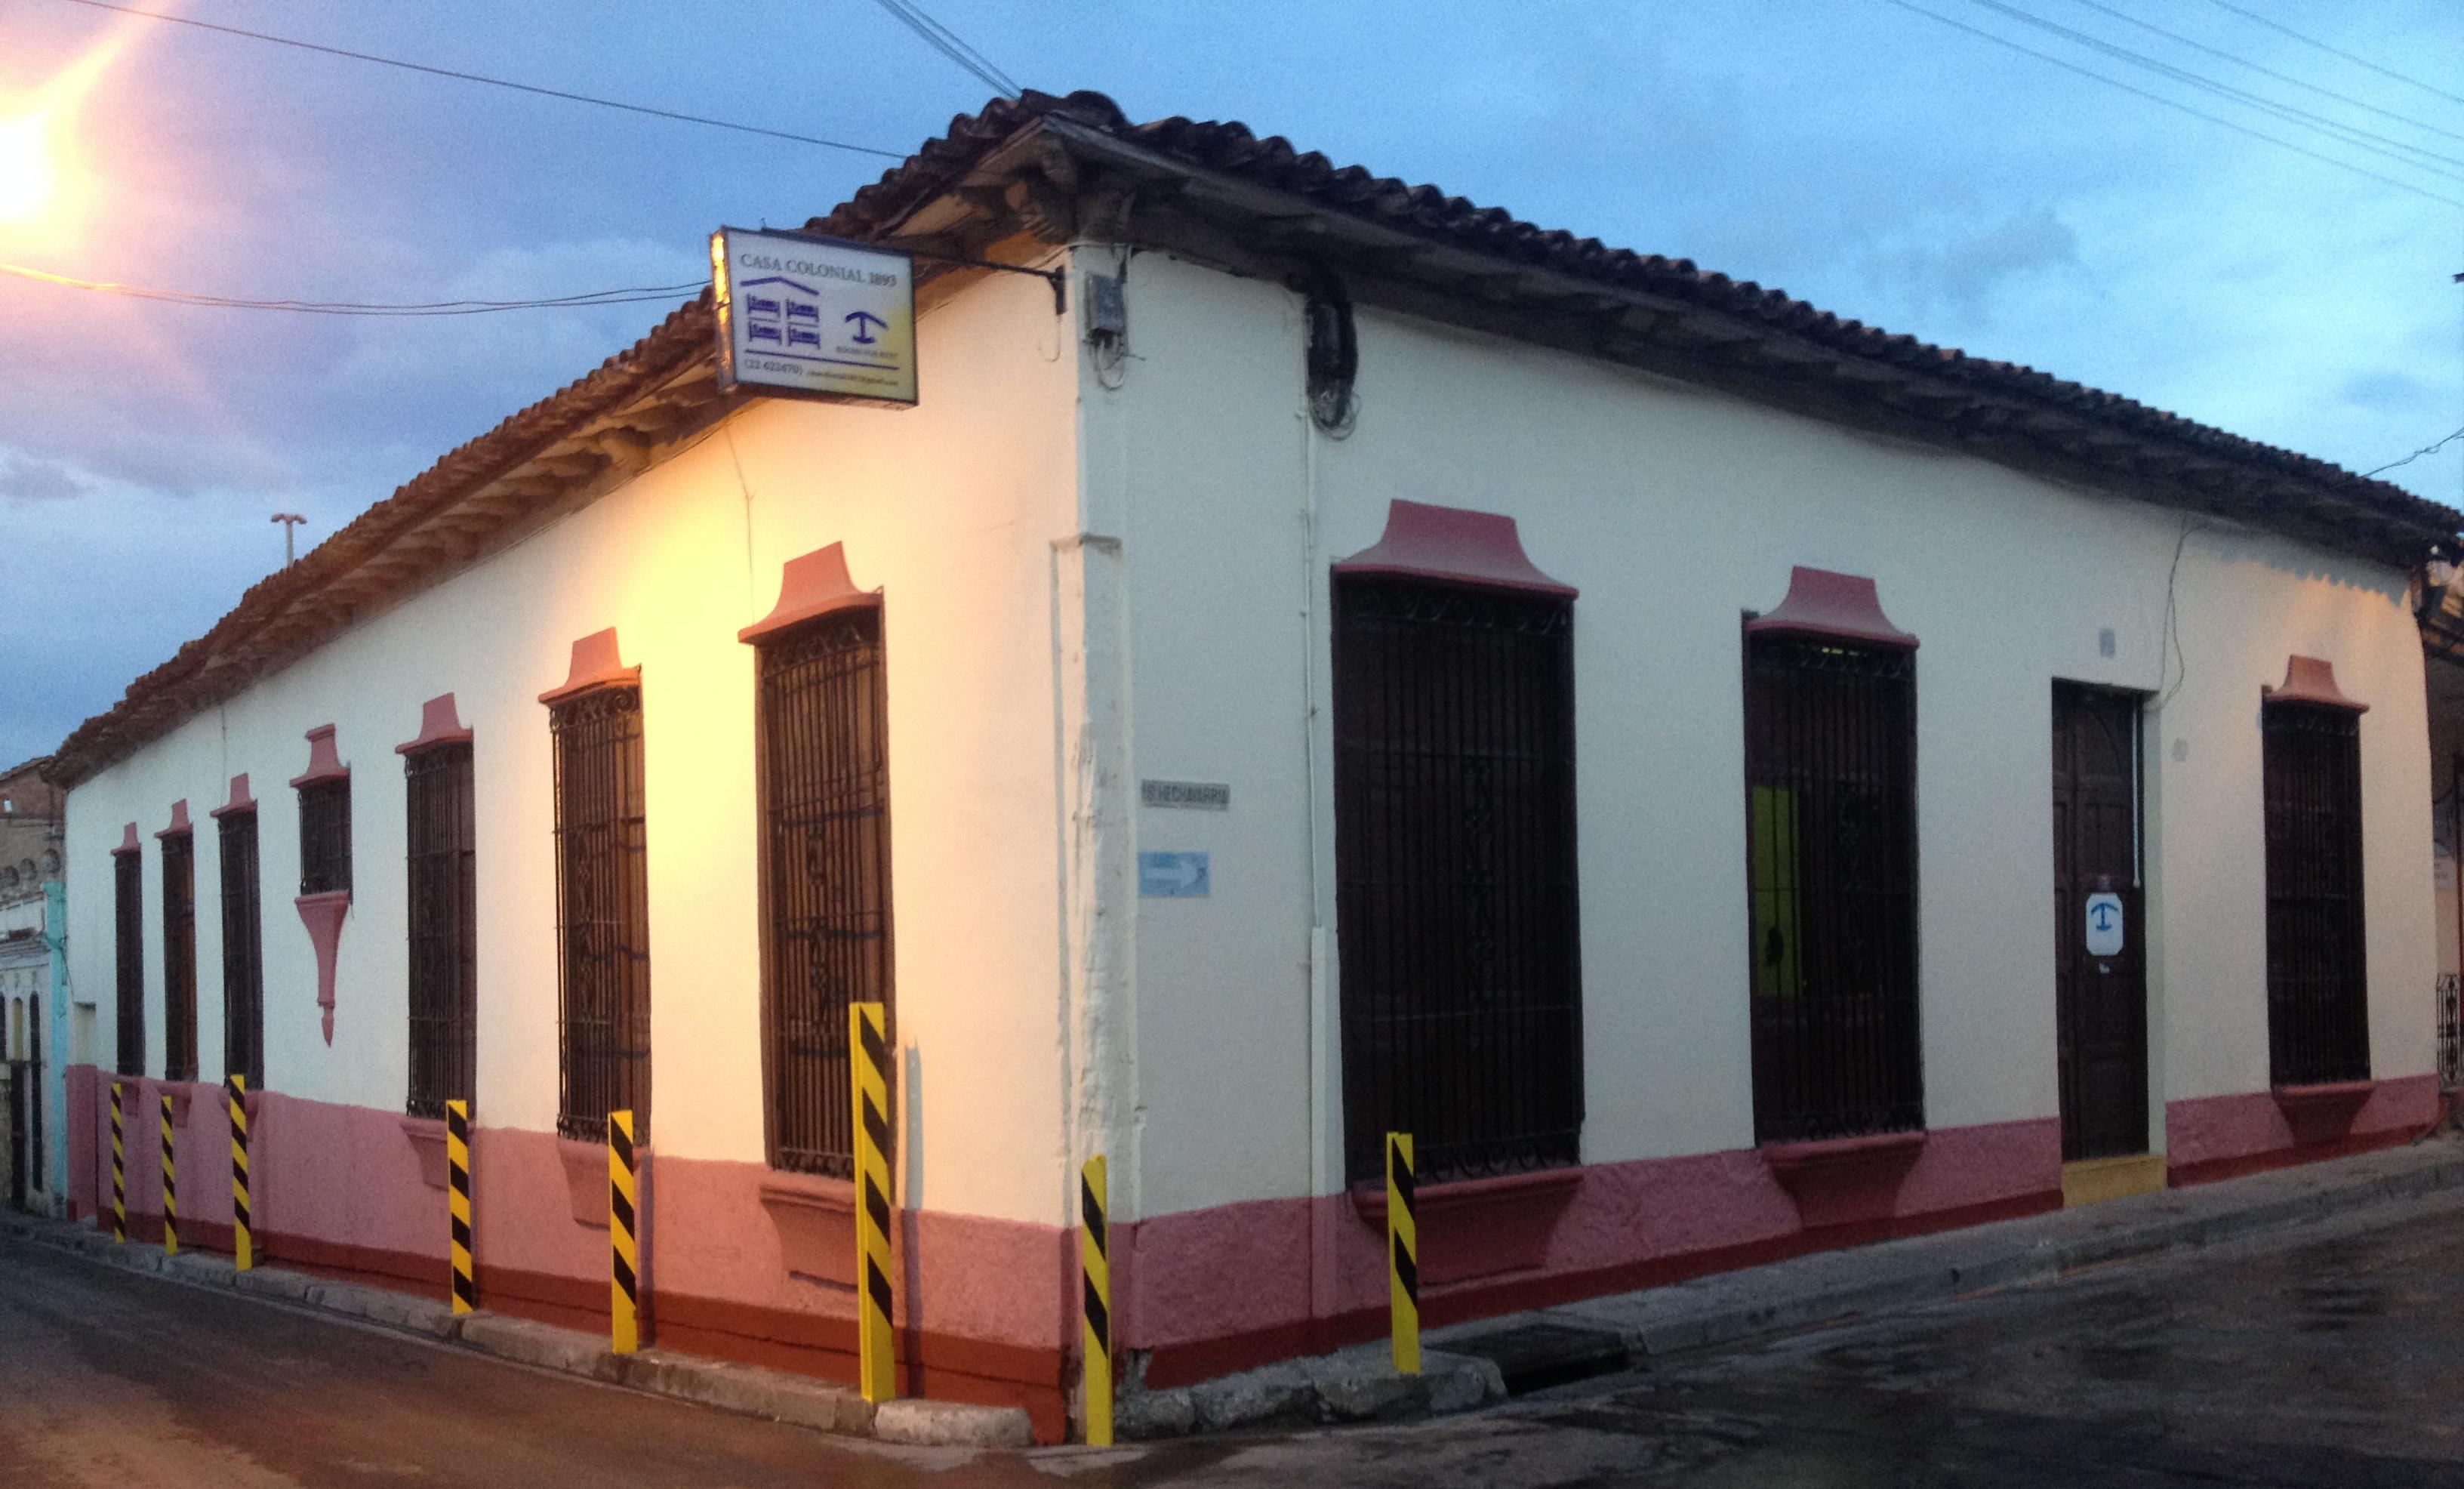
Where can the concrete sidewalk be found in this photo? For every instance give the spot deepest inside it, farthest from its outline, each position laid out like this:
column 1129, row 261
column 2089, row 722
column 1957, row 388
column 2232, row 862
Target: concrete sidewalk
column 1491, row 1358
column 1466, row 1366
column 776, row 1395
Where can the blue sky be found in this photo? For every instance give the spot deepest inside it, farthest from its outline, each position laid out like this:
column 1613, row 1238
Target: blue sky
column 1873, row 161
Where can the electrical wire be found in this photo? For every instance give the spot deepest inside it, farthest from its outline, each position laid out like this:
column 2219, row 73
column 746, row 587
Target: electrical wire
column 2432, row 448
column 2177, row 105
column 630, row 295
column 2129, row 19
column 2361, row 139
column 494, row 82
column 950, row 44
column 2356, row 61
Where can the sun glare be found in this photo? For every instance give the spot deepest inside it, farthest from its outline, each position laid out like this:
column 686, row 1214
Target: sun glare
column 41, row 184
column 29, row 180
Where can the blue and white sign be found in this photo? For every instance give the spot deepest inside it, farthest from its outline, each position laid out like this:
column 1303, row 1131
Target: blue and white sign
column 812, row 316
column 1172, row 875
column 2104, row 925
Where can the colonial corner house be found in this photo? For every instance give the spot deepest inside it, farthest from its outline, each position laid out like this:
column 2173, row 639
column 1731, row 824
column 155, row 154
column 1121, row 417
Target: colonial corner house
column 1722, row 780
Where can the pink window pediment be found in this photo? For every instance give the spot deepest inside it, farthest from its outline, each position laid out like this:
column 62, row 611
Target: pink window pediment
column 324, row 762
column 1843, row 607
column 1455, row 545
column 440, row 723
column 179, row 827
column 596, row 664
column 811, row 586
column 2309, row 681
column 240, row 799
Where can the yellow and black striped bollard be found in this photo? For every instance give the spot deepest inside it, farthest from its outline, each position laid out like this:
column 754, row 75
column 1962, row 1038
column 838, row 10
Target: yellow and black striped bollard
column 1403, row 1253
column 1095, row 1266
column 869, row 1046
column 171, row 1187
column 457, row 1200
column 243, row 1225
column 623, row 1290
column 119, row 1171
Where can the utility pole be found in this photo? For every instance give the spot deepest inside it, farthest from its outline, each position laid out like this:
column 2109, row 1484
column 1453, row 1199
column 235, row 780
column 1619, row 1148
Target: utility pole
column 289, row 520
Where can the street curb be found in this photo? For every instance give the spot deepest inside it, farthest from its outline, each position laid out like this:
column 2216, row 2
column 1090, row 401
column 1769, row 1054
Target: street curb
column 750, row 1390
column 1828, row 1287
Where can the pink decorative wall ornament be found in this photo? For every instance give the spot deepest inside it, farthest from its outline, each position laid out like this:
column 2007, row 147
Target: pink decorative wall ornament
column 439, row 724
column 596, row 664
column 324, row 764
column 1446, row 542
column 322, row 914
column 2309, row 681
column 179, row 827
column 816, row 584
column 1845, row 606
column 2322, row 1113
column 128, row 842
column 240, row 799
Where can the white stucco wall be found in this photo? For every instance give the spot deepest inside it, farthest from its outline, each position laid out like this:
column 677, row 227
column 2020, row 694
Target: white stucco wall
column 1672, row 510
column 953, row 508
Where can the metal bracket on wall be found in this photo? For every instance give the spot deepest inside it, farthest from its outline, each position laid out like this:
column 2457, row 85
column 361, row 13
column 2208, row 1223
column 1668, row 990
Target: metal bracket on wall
column 1058, row 278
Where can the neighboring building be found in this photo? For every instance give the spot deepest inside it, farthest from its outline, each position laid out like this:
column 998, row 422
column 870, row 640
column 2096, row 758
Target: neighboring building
column 1659, row 745
column 34, row 1149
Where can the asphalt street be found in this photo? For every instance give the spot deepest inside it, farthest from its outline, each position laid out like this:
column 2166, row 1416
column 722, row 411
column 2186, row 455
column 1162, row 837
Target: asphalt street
column 2329, row 1355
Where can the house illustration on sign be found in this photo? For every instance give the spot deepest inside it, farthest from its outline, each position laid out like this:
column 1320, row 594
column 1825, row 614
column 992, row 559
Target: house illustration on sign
column 775, row 314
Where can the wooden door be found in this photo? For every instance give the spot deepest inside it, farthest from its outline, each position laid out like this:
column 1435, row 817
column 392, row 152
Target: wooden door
column 2102, row 988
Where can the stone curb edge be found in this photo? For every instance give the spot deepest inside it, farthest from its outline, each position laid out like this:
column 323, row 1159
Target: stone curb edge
column 749, row 1390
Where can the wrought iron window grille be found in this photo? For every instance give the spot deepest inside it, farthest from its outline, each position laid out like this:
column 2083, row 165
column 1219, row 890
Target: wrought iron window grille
column 179, row 957
column 1832, row 875
column 824, row 771
column 243, row 951
column 603, row 913
column 325, row 836
column 1455, row 875
column 2317, row 985
column 443, row 929
column 128, row 931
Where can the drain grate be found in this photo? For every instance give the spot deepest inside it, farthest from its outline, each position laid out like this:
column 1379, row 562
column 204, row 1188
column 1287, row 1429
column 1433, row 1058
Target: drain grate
column 1536, row 1356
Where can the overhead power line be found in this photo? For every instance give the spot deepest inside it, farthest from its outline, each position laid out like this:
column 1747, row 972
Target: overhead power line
column 2177, row 105
column 2308, row 86
column 495, row 82
column 630, row 295
column 950, row 44
column 2356, row 61
column 2432, row 448
column 2360, row 139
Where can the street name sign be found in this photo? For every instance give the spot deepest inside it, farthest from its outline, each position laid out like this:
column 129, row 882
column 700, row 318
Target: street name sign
column 812, row 317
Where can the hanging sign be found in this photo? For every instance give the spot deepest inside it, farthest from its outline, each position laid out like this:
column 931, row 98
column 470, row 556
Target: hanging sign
column 814, row 317
column 2104, row 925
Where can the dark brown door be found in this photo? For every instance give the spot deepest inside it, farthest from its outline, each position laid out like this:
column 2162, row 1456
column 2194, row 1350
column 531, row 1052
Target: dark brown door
column 2101, row 992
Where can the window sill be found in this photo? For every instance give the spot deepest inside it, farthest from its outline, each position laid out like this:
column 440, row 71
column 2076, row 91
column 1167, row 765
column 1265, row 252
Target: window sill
column 426, row 1137
column 815, row 1219
column 585, row 1179
column 1839, row 1181
column 1480, row 1227
column 2324, row 1112
column 324, row 914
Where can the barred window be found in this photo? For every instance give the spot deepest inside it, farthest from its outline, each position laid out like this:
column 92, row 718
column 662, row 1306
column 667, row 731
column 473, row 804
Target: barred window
column 128, row 931
column 2318, row 988
column 325, row 836
column 243, row 951
column 444, row 928
column 823, row 768
column 1455, row 875
column 603, row 913
column 1831, row 872
column 179, row 957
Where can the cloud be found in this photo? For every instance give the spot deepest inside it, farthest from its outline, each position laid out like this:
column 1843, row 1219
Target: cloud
column 2386, row 390
column 26, row 478
column 1964, row 271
